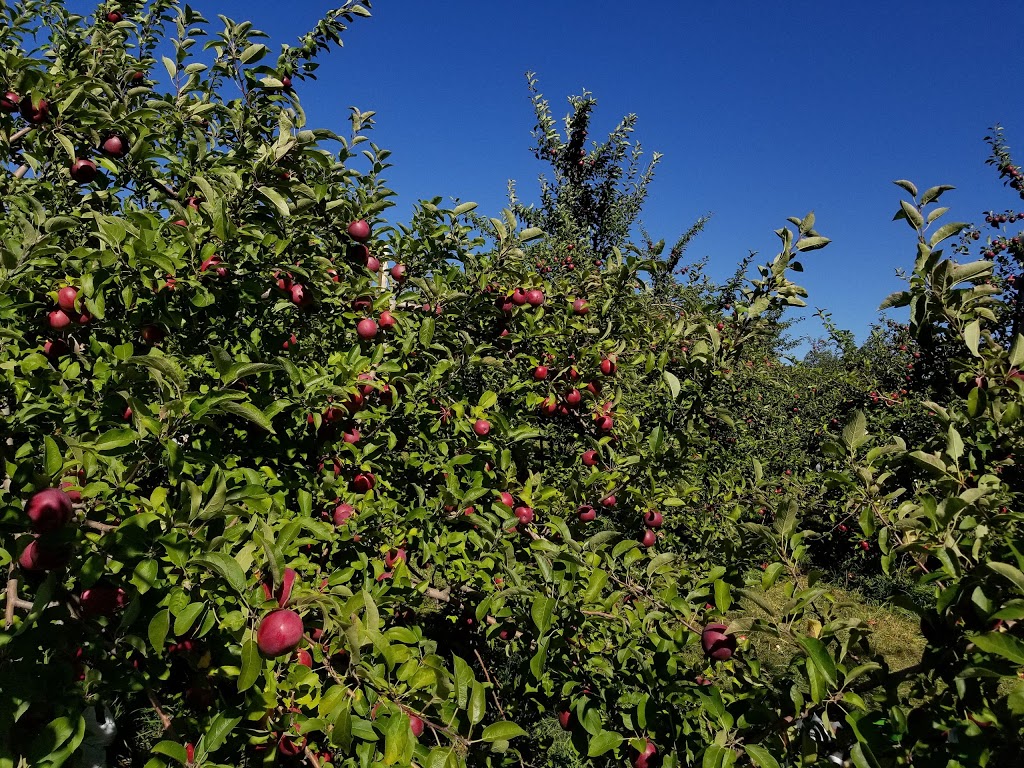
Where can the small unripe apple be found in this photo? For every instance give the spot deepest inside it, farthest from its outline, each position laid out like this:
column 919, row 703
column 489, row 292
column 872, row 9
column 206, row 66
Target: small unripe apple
column 653, row 519
column 66, row 298
column 342, row 514
column 398, row 273
column 279, row 632
column 579, row 307
column 83, row 171
column 540, row 372
column 590, row 458
column 58, row 320
column 364, row 482
column 482, row 427
column 359, row 230
column 115, row 146
column 49, row 510
column 586, row 513
column 535, row 297
column 524, row 515
column 608, row 367
column 366, row 328
column 9, row 102
column 386, row 321
column 716, row 643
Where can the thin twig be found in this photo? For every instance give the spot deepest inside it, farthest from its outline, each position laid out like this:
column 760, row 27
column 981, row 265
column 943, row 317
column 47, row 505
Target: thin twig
column 165, row 721
column 12, row 597
column 101, row 527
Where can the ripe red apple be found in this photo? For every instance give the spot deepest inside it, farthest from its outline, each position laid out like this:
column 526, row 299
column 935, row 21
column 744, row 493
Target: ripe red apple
column 586, row 513
column 56, row 348
column 58, row 320
column 359, row 230
column 507, row 499
column 394, row 556
column 524, row 515
column 417, row 725
column 152, row 334
column 71, row 489
column 138, row 77
column 579, row 307
column 387, row 321
column 565, row 719
column 115, row 146
column 299, row 296
column 279, row 632
column 180, row 223
column 648, row 539
column 66, row 298
column 287, row 584
column 518, row 297
column 49, row 510
column 114, row 17
column 102, row 600
column 573, row 398
column 608, row 367
column 535, row 297
column 35, row 112
column 342, row 514
column 482, row 427
column 290, row 343
column 398, row 273
column 549, row 406
column 364, row 482
column 286, row 81
column 128, row 414
column 83, row 171
column 590, row 458
column 653, row 519
column 351, row 436
column 290, row 746
column 716, row 644
column 609, row 501
column 40, row 556
column 540, row 372
column 373, row 263
column 304, row 658
column 646, row 758
column 366, row 328
column 9, row 102
column 604, row 423
column 213, row 261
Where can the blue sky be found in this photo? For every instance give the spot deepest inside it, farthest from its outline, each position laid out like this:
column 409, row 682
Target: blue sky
column 762, row 110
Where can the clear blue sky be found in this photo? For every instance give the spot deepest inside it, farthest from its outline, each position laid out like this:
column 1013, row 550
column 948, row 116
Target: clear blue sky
column 762, row 109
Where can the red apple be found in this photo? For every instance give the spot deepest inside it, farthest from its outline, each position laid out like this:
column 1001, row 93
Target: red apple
column 290, row 746
column 398, row 273
column 535, row 297
column 549, row 406
column 586, row 513
column 716, row 643
column 609, row 501
column 138, row 77
column 653, row 519
column 279, row 632
column 83, row 171
column 114, row 17
column 286, row 81
column 394, row 556
column 579, row 307
column 58, row 320
column 299, row 296
column 287, row 584
column 359, row 230
column 9, row 102
column 366, row 328
column 646, row 758
column 524, row 515
column 573, row 398
column 39, row 556
column 590, row 458
column 364, row 482
column 604, row 423
column 351, row 436
column 373, row 263
column 102, row 600
column 304, row 658
column 417, row 725
column 648, row 539
column 565, row 719
column 115, row 146
column 608, row 367
column 386, row 321
column 35, row 112
column 540, row 372
column 507, row 499
column 72, row 490
column 152, row 334
column 66, row 298
column 482, row 427
column 49, row 510
column 342, row 514
column 180, row 223
column 56, row 348
column 290, row 343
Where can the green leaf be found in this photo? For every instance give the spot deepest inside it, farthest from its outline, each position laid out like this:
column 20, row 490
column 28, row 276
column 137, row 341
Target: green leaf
column 225, row 566
column 1008, row 571
column 913, row 216
column 760, row 756
column 464, row 208
column 907, row 185
column 1001, row 644
column 1017, row 351
column 162, row 365
column 218, row 732
column 531, row 233
column 672, row 382
column 247, row 411
column 115, row 438
column 477, row 703
column 502, row 731
column 252, row 666
column 972, row 335
column 54, row 459
column 276, row 199
column 464, row 678
column 541, row 612
column 488, row 400
column 159, row 626
column 603, row 742
column 811, row 243
column 427, row 332
column 171, row 749
column 819, row 654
